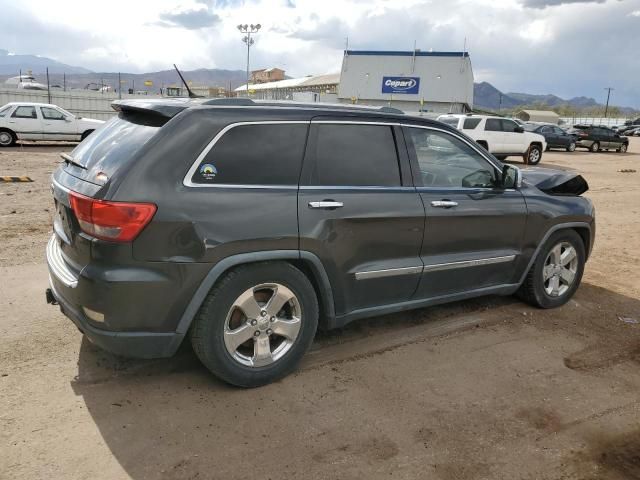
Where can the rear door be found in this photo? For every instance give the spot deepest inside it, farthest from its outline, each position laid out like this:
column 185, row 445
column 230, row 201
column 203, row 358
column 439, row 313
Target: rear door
column 495, row 136
column 359, row 212
column 26, row 122
column 473, row 230
column 513, row 138
column 57, row 126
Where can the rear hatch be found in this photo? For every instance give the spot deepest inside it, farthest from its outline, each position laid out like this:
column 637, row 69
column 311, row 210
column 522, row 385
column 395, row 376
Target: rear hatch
column 98, row 160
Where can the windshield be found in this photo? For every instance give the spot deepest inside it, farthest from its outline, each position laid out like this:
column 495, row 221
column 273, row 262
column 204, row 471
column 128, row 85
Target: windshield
column 115, row 143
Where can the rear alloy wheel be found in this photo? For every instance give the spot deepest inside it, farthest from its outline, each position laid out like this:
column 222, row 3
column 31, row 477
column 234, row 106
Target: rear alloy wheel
column 7, row 138
column 623, row 148
column 556, row 272
column 571, row 147
column 595, row 147
column 533, row 155
column 256, row 323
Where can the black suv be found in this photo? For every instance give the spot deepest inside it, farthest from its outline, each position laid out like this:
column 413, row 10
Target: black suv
column 596, row 138
column 245, row 226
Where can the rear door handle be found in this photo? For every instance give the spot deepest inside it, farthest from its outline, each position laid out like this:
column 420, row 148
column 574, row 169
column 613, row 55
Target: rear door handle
column 326, row 204
column 444, row 204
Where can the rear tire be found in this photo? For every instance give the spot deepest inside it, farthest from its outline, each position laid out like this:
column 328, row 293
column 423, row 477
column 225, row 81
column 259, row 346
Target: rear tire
column 533, row 155
column 237, row 336
column 86, row 134
column 623, row 148
column 595, row 147
column 556, row 272
column 7, row 138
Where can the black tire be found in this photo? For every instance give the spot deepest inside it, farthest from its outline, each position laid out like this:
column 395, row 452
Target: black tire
column 595, row 147
column 207, row 331
column 623, row 148
column 7, row 137
column 571, row 147
column 86, row 134
column 533, row 290
column 533, row 155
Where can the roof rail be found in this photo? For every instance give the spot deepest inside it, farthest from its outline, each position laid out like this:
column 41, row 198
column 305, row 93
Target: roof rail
column 247, row 102
column 241, row 102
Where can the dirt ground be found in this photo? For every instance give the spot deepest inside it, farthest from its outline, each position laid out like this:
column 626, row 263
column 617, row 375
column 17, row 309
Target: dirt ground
column 483, row 389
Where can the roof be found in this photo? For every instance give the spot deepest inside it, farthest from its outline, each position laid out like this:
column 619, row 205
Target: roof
column 32, row 104
column 541, row 113
column 410, row 53
column 294, row 82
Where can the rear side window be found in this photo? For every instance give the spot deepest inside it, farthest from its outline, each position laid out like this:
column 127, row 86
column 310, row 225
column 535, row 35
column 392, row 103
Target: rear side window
column 255, row 155
column 493, row 125
column 509, row 126
column 51, row 114
column 470, row 123
column 355, row 155
column 25, row 112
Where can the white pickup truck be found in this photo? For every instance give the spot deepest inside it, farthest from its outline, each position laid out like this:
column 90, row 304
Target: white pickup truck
column 42, row 121
column 501, row 136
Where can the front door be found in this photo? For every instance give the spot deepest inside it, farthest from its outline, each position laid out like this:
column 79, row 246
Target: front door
column 495, row 137
column 58, row 126
column 360, row 214
column 25, row 122
column 513, row 136
column 474, row 229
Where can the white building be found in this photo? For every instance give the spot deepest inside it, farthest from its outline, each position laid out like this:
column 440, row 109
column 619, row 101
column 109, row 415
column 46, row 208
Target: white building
column 410, row 81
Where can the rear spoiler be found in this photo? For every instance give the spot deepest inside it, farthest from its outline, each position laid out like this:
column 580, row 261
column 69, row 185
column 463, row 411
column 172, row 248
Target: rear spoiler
column 160, row 107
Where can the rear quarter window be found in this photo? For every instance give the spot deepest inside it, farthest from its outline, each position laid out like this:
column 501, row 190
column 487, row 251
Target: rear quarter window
column 452, row 121
column 254, row 155
column 470, row 123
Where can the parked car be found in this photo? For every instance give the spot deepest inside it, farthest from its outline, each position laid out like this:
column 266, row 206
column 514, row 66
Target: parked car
column 635, row 132
column 624, row 129
column 555, row 136
column 502, row 137
column 244, row 229
column 596, row 138
column 42, row 121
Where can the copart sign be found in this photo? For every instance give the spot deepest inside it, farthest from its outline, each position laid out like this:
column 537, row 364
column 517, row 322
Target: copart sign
column 406, row 85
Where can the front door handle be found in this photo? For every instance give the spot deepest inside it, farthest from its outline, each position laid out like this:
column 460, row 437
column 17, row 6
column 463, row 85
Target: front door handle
column 329, row 204
column 444, row 204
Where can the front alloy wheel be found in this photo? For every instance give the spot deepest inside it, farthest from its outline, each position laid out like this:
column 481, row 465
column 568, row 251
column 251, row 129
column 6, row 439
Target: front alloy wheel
column 623, row 148
column 571, row 147
column 560, row 268
column 262, row 325
column 6, row 139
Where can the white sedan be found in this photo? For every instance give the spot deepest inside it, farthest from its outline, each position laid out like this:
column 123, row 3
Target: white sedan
column 42, row 121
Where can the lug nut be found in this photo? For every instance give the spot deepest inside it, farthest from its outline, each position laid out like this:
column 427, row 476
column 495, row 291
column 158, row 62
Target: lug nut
column 273, row 319
column 254, row 322
column 256, row 333
column 269, row 331
column 263, row 313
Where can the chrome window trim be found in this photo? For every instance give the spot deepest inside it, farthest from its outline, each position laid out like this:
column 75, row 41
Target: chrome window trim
column 388, row 272
column 192, row 170
column 355, row 187
column 468, row 263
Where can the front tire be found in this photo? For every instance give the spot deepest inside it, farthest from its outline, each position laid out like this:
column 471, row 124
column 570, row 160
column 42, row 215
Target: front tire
column 7, row 138
column 533, row 155
column 571, row 147
column 595, row 147
column 623, row 148
column 556, row 272
column 256, row 323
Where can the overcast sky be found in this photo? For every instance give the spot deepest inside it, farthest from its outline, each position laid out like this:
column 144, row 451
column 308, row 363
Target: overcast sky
column 565, row 47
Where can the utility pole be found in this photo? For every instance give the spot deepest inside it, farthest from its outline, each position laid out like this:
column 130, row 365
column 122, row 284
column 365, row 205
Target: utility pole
column 606, row 108
column 119, row 87
column 500, row 102
column 48, row 87
column 64, row 81
column 248, row 29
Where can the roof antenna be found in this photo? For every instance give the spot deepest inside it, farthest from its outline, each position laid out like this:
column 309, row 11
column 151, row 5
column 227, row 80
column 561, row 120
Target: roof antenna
column 191, row 94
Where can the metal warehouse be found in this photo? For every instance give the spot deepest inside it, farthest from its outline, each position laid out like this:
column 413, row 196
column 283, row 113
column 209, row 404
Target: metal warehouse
column 409, row 80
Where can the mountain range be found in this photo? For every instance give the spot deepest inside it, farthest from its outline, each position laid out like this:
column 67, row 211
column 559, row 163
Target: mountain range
column 486, row 96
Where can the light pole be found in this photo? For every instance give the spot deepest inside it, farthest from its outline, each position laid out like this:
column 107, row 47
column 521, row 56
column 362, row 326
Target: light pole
column 606, row 108
column 248, row 29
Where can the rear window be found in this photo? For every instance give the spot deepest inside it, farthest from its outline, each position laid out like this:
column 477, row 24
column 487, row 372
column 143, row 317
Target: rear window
column 470, row 123
column 116, row 142
column 255, row 155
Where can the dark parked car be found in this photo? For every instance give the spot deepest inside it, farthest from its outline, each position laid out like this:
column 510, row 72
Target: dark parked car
column 596, row 138
column 555, row 136
column 246, row 226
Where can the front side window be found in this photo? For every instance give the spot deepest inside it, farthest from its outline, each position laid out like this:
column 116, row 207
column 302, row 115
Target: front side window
column 546, row 130
column 493, row 125
column 255, row 155
column 24, row 112
column 509, row 126
column 355, row 155
column 5, row 111
column 51, row 114
column 448, row 162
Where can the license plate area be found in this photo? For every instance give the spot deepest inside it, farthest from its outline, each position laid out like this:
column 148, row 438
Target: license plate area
column 62, row 222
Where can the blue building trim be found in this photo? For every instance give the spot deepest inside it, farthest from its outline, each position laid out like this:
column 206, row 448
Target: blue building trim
column 392, row 53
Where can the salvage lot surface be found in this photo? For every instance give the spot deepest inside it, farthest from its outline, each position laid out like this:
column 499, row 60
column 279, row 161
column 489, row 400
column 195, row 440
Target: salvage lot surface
column 483, row 389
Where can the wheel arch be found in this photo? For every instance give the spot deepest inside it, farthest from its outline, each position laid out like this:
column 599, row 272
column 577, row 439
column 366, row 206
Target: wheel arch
column 86, row 133
column 583, row 229
column 11, row 132
column 308, row 263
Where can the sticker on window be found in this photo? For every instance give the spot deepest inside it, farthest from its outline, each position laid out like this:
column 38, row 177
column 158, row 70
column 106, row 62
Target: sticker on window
column 208, row 171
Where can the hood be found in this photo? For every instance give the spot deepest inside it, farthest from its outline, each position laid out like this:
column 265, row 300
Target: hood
column 555, row 182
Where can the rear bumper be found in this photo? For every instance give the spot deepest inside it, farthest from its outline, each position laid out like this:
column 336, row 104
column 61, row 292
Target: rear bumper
column 96, row 298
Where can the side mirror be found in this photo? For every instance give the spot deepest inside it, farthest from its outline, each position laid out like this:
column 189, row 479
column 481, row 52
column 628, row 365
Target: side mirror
column 519, row 130
column 511, row 177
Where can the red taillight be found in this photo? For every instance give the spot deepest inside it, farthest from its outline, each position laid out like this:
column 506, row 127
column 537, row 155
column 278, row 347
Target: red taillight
column 113, row 221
